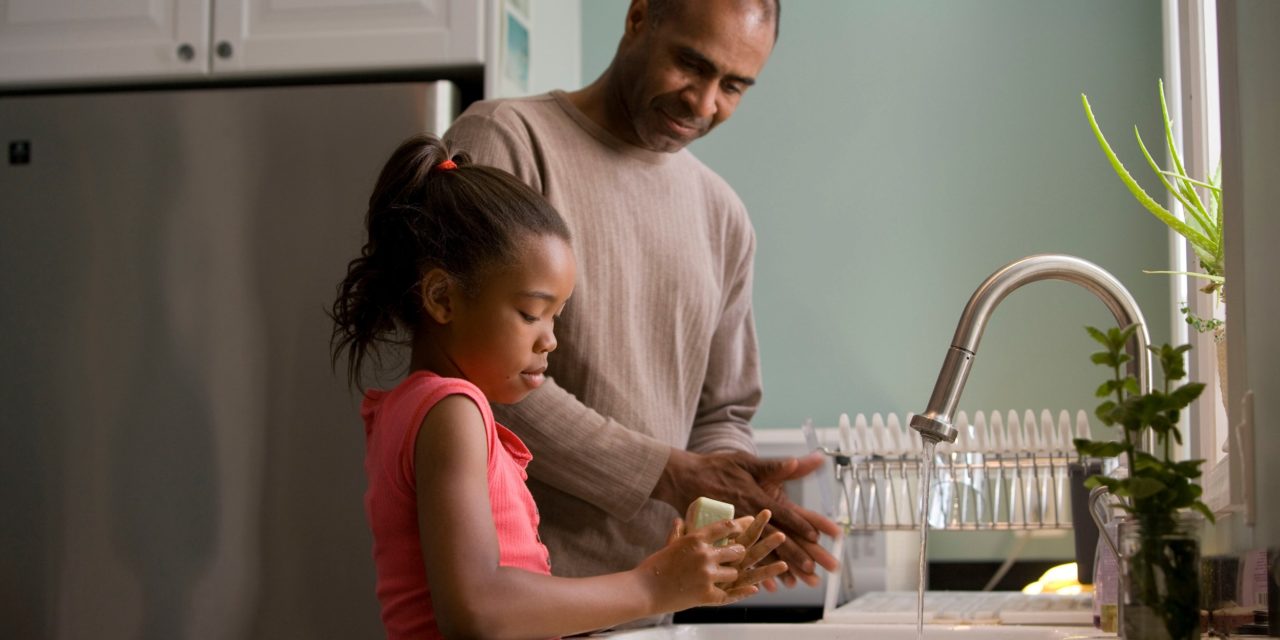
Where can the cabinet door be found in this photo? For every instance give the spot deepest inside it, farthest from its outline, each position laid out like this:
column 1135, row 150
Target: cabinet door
column 49, row 42
column 256, row 37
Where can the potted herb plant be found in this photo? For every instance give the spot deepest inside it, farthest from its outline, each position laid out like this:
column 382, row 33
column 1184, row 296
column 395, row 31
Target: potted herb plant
column 1202, row 227
column 1160, row 586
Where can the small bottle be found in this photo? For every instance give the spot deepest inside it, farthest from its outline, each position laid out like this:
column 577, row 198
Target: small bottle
column 1106, row 579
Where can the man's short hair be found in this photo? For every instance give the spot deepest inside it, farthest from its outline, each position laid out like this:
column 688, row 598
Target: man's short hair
column 660, row 9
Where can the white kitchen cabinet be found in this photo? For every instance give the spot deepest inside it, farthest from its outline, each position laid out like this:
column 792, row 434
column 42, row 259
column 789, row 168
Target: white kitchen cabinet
column 254, row 37
column 56, row 41
column 77, row 42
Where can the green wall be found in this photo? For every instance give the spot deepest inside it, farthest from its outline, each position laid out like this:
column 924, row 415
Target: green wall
column 894, row 154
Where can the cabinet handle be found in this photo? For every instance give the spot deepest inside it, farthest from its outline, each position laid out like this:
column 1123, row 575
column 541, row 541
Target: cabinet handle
column 186, row 52
column 223, row 49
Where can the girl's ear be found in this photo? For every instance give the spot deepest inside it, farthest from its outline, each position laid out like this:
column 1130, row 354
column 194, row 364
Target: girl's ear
column 436, row 289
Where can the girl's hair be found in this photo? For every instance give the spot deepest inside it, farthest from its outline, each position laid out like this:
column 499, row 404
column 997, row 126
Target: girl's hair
column 421, row 216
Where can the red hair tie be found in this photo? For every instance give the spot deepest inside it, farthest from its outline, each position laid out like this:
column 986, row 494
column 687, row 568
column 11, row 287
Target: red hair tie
column 447, row 165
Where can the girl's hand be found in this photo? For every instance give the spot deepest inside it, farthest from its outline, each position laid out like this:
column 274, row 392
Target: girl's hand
column 691, row 571
column 756, row 549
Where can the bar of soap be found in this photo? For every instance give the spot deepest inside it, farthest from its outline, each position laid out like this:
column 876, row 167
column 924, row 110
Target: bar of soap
column 705, row 511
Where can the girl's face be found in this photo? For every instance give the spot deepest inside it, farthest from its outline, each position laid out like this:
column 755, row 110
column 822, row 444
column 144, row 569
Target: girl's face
column 500, row 333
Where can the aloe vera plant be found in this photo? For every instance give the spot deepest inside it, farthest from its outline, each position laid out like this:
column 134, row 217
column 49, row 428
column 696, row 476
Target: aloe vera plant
column 1202, row 228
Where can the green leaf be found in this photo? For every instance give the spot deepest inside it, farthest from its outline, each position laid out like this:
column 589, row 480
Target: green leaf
column 1141, row 487
column 1188, row 468
column 1131, row 385
column 1191, row 204
column 1205, row 185
column 1191, row 274
column 1204, row 509
column 1106, row 413
column 1186, row 394
column 1098, row 335
column 1125, row 334
column 1114, row 485
column 1145, row 200
column 1100, row 449
column 1168, row 133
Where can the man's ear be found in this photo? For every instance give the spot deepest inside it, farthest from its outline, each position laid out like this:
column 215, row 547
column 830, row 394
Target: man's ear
column 637, row 18
column 436, row 289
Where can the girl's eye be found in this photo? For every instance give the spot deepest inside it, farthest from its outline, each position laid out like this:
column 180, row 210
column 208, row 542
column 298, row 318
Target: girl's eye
column 528, row 318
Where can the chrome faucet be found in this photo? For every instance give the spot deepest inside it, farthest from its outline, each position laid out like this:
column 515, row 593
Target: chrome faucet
column 935, row 423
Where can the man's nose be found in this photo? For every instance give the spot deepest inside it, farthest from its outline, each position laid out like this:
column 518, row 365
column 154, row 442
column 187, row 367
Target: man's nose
column 701, row 97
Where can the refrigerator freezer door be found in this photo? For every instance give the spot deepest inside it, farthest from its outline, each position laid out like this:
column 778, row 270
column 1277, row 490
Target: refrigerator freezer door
column 180, row 459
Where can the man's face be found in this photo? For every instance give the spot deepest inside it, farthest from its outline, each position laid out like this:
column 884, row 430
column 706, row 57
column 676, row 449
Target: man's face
column 684, row 75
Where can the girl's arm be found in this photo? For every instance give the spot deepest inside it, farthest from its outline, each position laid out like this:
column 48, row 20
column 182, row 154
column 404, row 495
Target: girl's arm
column 475, row 597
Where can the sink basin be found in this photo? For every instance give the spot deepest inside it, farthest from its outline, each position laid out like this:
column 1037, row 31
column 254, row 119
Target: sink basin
column 832, row 631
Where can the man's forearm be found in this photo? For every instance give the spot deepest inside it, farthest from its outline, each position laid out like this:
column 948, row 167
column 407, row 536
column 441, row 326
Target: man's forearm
column 580, row 452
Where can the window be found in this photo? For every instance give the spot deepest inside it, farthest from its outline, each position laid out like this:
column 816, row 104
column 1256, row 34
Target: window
column 1191, row 63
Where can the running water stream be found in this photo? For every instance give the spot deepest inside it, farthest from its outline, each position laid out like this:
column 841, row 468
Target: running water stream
column 926, row 473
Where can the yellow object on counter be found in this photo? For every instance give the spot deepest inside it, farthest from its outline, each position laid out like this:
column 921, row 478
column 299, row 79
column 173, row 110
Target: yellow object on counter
column 705, row 511
column 1061, row 579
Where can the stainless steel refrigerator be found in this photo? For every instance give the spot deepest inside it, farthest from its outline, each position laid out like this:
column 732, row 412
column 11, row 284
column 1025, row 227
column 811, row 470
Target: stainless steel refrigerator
column 178, row 458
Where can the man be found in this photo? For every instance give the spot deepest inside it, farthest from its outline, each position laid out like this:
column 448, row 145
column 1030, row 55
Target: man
column 650, row 393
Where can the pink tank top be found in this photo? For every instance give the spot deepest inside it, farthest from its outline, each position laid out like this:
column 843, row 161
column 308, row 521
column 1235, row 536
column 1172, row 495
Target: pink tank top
column 392, row 420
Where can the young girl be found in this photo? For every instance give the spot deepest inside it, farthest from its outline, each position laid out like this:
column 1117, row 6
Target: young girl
column 472, row 268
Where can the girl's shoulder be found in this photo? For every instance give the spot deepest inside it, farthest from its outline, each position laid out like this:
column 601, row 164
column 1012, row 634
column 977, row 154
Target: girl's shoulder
column 416, row 395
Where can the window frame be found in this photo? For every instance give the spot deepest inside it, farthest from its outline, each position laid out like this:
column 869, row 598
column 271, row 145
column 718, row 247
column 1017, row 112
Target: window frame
column 1192, row 85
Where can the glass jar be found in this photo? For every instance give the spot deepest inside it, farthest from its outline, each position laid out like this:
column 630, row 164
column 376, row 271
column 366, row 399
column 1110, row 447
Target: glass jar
column 1160, row 578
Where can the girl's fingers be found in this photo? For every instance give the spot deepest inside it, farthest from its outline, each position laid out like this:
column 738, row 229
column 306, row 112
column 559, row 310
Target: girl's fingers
column 725, row 575
column 759, row 574
column 758, row 551
column 723, row 529
column 677, row 530
column 731, row 554
column 753, row 532
column 735, row 594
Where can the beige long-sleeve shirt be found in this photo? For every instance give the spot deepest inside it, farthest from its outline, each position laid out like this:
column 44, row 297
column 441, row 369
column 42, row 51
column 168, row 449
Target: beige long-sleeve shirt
column 657, row 345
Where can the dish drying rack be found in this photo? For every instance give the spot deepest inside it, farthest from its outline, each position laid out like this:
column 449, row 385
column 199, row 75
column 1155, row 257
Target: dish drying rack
column 1004, row 472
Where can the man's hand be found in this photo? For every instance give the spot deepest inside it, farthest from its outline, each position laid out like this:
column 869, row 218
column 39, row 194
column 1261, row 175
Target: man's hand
column 752, row 484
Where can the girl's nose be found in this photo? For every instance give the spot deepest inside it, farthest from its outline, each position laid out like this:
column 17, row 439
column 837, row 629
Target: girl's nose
column 546, row 342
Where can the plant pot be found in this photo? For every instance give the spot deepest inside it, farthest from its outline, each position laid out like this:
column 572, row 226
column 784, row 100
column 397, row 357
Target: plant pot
column 1082, row 524
column 1160, row 578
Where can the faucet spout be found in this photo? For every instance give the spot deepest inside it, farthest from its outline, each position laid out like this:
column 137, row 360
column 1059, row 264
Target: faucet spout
column 935, row 423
